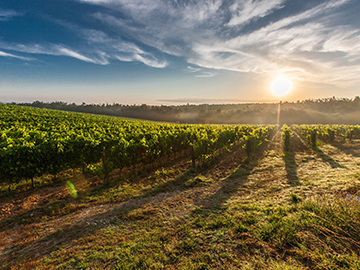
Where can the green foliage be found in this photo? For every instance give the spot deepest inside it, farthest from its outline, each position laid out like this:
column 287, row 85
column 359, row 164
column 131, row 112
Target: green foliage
column 310, row 132
column 286, row 135
column 328, row 133
column 39, row 141
column 255, row 138
column 312, row 138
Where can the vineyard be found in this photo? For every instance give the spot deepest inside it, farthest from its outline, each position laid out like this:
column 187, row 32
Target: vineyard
column 130, row 194
column 328, row 133
column 34, row 142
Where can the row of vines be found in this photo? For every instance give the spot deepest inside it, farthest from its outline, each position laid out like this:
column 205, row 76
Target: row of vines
column 39, row 141
column 328, row 133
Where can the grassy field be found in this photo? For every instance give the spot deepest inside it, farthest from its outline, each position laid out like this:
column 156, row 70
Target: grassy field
column 293, row 210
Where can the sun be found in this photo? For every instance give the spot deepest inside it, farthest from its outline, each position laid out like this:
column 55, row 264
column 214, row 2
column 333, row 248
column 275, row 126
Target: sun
column 281, row 86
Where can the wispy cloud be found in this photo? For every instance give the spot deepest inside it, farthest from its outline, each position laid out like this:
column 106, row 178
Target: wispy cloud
column 205, row 75
column 244, row 11
column 101, row 50
column 212, row 34
column 193, row 69
column 200, row 72
column 4, row 54
column 68, row 52
column 97, row 46
column 7, row 14
column 49, row 49
column 118, row 49
column 308, row 39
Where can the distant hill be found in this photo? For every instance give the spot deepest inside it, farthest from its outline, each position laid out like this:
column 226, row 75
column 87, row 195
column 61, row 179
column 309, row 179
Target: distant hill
column 312, row 111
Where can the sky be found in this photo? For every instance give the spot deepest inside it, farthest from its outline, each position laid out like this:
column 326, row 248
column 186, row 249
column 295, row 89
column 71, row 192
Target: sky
column 177, row 51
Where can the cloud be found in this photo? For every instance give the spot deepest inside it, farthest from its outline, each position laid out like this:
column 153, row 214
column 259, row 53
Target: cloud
column 200, row 72
column 96, row 46
column 59, row 50
column 101, row 50
column 245, row 11
column 149, row 60
column 307, row 39
column 245, row 36
column 7, row 14
column 99, row 1
column 4, row 54
column 206, row 75
column 118, row 49
column 193, row 69
column 171, row 27
column 49, row 49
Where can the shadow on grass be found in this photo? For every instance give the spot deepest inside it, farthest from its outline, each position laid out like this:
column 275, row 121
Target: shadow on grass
column 137, row 207
column 89, row 225
column 325, row 158
column 177, row 184
column 291, row 168
column 229, row 187
column 348, row 150
column 298, row 144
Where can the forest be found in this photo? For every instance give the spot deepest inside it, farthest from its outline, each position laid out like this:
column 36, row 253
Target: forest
column 331, row 110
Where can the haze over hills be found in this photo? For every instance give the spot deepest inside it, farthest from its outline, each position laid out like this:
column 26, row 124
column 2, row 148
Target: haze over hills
column 312, row 111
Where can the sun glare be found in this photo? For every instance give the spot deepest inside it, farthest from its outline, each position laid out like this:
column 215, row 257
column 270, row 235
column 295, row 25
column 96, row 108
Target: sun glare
column 281, row 86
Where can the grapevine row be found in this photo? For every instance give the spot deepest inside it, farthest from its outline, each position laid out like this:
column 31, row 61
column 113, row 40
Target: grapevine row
column 38, row 141
column 328, row 133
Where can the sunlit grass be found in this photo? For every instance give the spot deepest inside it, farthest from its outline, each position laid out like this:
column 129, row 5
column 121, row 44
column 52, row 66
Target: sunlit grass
column 174, row 217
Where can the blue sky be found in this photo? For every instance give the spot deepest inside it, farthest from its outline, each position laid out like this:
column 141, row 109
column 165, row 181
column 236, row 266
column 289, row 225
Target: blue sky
column 177, row 51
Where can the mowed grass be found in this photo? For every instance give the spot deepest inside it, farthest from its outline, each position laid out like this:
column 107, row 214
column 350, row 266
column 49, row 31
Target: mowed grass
column 293, row 210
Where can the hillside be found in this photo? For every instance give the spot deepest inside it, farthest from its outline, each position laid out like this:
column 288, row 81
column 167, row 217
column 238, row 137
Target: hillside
column 297, row 210
column 316, row 111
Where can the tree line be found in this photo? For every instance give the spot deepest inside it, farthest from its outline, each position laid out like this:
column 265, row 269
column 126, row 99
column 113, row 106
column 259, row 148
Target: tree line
column 331, row 110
